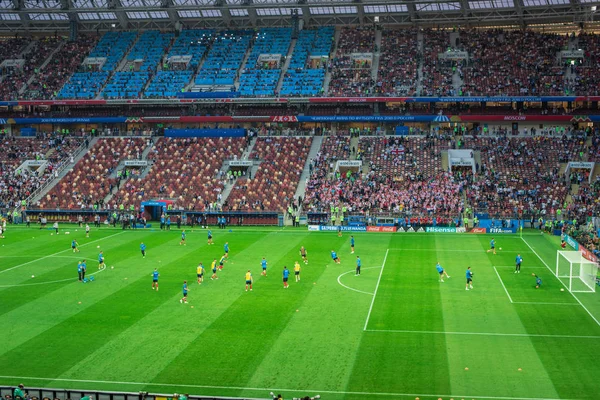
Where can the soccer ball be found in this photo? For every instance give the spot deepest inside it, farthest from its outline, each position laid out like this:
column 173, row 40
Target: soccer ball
column 112, row 267
column 97, row 247
column 500, row 248
column 562, row 289
column 33, row 276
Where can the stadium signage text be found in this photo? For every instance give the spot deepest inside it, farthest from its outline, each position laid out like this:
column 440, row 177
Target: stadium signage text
column 572, row 54
column 441, row 229
column 572, row 242
column 349, row 163
column 136, row 163
column 582, row 164
column 502, row 230
column 381, row 229
column 478, row 230
column 453, row 55
column 335, row 228
column 240, row 163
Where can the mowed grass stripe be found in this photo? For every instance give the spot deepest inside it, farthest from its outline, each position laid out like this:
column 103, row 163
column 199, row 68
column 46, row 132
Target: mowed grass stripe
column 487, row 308
column 102, row 302
column 232, row 345
column 148, row 345
column 324, row 353
column 408, row 298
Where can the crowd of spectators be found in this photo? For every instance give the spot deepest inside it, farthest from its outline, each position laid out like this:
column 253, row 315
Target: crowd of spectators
column 437, row 73
column 397, row 74
column 48, row 80
column 17, row 184
column 513, row 63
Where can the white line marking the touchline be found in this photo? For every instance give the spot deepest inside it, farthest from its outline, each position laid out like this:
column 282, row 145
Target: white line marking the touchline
column 50, row 282
column 304, row 390
column 60, row 252
column 483, row 334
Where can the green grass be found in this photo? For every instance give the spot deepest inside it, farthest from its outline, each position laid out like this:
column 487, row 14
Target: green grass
column 393, row 332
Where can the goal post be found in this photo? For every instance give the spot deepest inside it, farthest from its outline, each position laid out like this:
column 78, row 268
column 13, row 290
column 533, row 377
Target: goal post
column 575, row 271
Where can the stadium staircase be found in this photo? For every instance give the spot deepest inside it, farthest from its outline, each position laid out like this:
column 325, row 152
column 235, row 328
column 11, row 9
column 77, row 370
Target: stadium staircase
column 41, row 67
column 419, row 85
column 225, row 167
column 236, row 83
column 376, row 55
column 286, row 65
column 301, row 189
column 120, row 67
column 61, row 172
column 328, row 73
column 121, row 165
column 22, row 54
column 354, row 145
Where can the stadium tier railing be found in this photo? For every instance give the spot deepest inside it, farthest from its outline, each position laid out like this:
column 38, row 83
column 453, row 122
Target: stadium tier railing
column 77, row 394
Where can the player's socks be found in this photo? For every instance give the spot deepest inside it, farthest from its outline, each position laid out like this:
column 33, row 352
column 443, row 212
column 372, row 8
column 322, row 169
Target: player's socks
column 181, row 301
column 471, row 286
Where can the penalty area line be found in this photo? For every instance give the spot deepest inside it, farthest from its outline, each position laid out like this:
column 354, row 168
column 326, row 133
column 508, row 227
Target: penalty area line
column 376, row 288
column 348, row 287
column 240, row 388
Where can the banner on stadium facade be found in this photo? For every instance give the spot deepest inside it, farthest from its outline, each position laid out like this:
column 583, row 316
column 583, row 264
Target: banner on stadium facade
column 502, row 230
column 453, row 55
column 366, row 118
column 240, row 163
column 136, row 163
column 440, row 229
column 572, row 54
column 587, row 254
column 578, row 164
column 349, row 163
column 335, row 228
column 385, row 229
column 478, row 230
column 571, row 242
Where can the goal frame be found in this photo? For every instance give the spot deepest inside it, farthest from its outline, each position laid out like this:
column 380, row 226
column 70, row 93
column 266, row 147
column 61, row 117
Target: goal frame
column 575, row 257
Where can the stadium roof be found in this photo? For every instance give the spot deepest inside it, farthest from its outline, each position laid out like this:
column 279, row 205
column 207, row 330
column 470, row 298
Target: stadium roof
column 92, row 15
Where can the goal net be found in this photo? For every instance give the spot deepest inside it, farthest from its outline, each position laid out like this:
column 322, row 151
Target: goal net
column 576, row 271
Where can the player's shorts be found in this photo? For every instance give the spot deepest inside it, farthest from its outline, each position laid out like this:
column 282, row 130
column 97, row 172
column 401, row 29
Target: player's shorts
column 518, row 264
column 214, row 270
column 248, row 282
column 226, row 251
column 209, row 237
column 185, row 294
column 155, row 280
column 200, row 275
column 442, row 272
column 492, row 247
column 469, row 280
column 73, row 247
column 285, row 279
column 264, row 268
column 183, row 239
column 303, row 255
column 221, row 264
column 296, row 272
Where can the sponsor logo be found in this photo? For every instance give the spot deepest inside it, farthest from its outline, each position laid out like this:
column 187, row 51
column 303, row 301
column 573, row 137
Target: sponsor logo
column 381, row 229
column 572, row 242
column 461, row 229
column 478, row 230
column 343, row 228
column 588, row 254
column 502, row 230
column 285, row 118
column 515, row 117
column 441, row 229
column 313, row 228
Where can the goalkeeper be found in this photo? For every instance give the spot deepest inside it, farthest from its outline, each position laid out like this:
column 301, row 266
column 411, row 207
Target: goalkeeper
column 538, row 281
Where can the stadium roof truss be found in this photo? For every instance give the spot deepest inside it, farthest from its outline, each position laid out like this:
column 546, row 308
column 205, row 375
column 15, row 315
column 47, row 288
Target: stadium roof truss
column 92, row 15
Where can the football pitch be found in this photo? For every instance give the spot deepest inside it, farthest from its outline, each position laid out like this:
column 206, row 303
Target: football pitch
column 394, row 332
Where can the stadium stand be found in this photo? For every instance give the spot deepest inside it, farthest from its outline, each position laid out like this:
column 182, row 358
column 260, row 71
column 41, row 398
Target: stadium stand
column 185, row 170
column 223, row 61
column 16, row 186
column 306, row 72
column 352, row 76
column 90, row 180
column 397, row 74
column 51, row 78
column 274, row 184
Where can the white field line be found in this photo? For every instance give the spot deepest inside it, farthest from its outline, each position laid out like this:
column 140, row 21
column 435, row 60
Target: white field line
column 483, row 334
column 502, row 283
column 376, row 288
column 348, row 287
column 50, row 282
column 60, row 252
